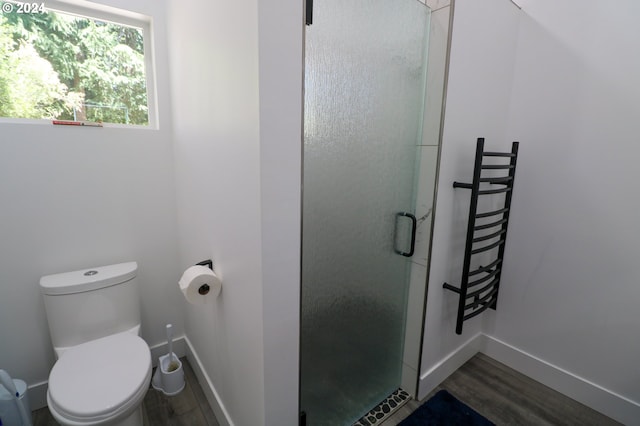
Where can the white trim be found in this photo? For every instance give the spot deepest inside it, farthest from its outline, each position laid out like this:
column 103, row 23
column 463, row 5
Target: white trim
column 582, row 390
column 98, row 11
column 408, row 379
column 148, row 38
column 592, row 395
column 48, row 122
column 445, row 367
column 221, row 413
column 37, row 394
column 120, row 17
column 16, row 120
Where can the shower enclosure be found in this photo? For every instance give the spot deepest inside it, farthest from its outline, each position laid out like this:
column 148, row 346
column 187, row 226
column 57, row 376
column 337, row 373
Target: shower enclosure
column 365, row 70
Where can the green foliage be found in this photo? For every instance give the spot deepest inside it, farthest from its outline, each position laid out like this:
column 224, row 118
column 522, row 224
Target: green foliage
column 101, row 64
column 29, row 87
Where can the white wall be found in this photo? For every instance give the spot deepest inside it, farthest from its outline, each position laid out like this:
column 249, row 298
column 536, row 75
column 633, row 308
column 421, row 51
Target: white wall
column 571, row 292
column 72, row 198
column 214, row 78
column 236, row 80
column 478, row 94
column 281, row 98
column 560, row 77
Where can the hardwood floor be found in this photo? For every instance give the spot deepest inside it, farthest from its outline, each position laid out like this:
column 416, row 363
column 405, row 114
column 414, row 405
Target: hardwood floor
column 188, row 408
column 507, row 397
column 499, row 393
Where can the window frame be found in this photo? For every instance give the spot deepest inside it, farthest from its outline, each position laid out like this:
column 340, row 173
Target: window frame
column 113, row 15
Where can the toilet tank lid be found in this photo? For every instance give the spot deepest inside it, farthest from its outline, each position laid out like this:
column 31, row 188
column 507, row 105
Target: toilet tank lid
column 88, row 279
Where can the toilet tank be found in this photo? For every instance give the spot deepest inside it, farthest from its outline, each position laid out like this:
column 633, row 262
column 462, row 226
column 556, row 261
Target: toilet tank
column 92, row 303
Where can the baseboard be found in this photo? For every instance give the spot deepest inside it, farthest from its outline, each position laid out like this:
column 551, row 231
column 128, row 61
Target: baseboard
column 37, row 394
column 582, row 390
column 179, row 348
column 588, row 393
column 443, row 369
column 207, row 386
column 409, row 379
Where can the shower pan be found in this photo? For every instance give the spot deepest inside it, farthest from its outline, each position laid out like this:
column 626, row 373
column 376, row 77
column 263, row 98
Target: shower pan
column 365, row 68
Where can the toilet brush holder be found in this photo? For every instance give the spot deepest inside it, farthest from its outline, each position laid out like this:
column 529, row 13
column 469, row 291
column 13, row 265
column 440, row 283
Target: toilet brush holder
column 14, row 402
column 168, row 379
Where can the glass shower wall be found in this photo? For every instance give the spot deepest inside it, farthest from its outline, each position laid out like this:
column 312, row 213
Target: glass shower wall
column 364, row 100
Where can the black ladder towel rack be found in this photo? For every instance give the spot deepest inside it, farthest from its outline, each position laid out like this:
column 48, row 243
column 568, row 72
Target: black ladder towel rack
column 479, row 287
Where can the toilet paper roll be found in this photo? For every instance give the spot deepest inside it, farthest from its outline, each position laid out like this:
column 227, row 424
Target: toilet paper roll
column 193, row 279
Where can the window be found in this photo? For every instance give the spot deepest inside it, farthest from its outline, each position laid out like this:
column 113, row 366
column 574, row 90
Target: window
column 65, row 62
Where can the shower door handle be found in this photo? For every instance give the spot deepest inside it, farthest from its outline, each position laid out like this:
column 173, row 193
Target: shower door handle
column 414, row 225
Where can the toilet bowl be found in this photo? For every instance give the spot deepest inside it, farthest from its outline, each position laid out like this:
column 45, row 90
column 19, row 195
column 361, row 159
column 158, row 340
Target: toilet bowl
column 101, row 382
column 104, row 368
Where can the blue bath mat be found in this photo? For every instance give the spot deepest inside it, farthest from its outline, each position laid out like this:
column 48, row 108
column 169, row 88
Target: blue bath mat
column 443, row 409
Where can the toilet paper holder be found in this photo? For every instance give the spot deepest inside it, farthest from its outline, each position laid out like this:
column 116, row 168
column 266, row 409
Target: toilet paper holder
column 204, row 288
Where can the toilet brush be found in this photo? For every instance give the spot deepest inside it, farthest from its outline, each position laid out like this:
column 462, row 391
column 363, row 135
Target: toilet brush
column 173, row 365
column 169, row 376
column 9, row 385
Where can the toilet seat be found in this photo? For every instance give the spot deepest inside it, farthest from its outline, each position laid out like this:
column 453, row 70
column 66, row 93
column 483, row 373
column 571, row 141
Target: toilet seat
column 100, row 380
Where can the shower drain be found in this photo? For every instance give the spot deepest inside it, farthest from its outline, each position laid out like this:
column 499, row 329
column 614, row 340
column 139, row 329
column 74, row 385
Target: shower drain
column 383, row 410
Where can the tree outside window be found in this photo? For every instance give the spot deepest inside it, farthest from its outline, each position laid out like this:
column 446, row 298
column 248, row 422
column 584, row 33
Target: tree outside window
column 55, row 65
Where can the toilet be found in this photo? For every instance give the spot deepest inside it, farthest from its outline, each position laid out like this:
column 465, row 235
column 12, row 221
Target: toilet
column 103, row 367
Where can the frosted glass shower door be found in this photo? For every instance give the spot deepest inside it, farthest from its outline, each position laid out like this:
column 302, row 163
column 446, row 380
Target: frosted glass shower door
column 365, row 72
